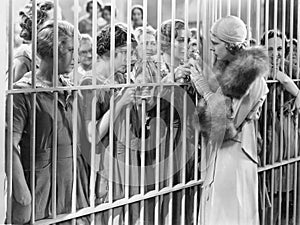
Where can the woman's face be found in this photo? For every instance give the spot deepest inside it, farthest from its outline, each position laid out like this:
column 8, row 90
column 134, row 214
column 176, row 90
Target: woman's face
column 85, row 53
column 121, row 58
column 137, row 16
column 179, row 47
column 106, row 15
column 90, row 9
column 218, row 48
column 66, row 57
column 151, row 47
column 294, row 55
column 271, row 48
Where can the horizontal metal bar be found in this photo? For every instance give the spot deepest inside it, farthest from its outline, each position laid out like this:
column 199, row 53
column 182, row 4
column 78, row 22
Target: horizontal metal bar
column 118, row 203
column 278, row 164
column 90, row 87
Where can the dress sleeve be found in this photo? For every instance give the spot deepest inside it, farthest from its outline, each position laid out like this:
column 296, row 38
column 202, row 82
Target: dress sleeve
column 87, row 97
column 20, row 113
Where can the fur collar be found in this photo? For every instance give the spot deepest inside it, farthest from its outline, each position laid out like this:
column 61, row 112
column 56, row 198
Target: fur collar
column 236, row 76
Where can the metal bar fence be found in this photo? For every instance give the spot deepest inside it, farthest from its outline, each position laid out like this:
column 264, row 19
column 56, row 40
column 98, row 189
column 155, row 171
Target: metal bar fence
column 207, row 13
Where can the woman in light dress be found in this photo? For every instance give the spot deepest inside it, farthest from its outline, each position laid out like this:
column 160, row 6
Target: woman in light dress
column 227, row 120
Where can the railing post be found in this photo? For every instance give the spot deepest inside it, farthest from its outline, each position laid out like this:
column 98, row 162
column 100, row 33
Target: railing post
column 3, row 55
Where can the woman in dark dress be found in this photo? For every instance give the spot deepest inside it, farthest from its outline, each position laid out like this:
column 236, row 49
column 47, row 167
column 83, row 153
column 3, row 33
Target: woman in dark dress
column 22, row 122
column 123, row 97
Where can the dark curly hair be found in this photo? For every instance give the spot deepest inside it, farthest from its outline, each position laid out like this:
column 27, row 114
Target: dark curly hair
column 271, row 34
column 103, row 38
column 26, row 23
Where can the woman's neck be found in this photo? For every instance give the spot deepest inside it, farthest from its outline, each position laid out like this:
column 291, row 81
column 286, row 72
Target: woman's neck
column 168, row 59
column 45, row 72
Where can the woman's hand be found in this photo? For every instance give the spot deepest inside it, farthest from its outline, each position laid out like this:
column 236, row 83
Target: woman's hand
column 127, row 96
column 182, row 73
column 297, row 103
column 22, row 193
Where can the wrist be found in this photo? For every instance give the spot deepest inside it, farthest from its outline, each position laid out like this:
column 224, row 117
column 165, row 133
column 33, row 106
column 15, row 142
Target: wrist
column 298, row 94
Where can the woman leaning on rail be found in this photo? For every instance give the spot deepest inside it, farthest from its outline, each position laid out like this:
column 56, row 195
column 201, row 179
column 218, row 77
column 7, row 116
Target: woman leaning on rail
column 230, row 189
column 290, row 109
column 22, row 123
column 123, row 97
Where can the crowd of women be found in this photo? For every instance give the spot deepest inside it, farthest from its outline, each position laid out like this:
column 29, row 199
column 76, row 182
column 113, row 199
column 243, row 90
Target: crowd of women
column 229, row 98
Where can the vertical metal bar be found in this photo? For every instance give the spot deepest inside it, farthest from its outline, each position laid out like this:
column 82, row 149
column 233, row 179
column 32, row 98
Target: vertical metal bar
column 239, row 8
column 9, row 109
column 184, row 125
column 281, row 117
column 248, row 21
column 198, row 26
column 296, row 209
column 264, row 161
column 3, row 55
column 94, row 100
column 265, row 120
column 112, row 100
column 33, row 112
column 127, row 152
column 196, row 143
column 75, row 111
column 228, row 7
column 212, row 10
column 142, row 185
column 171, row 147
column 143, row 146
column 55, row 109
column 157, row 141
column 289, row 115
column 257, row 24
column 220, row 9
column 274, row 113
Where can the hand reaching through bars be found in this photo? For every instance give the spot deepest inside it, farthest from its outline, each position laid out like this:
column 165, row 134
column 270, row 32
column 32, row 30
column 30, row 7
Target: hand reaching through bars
column 182, row 73
column 296, row 106
column 127, row 96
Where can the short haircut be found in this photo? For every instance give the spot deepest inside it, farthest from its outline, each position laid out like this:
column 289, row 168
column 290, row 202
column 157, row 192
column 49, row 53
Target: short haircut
column 45, row 37
column 108, row 8
column 26, row 24
column 87, row 8
column 139, row 7
column 271, row 34
column 103, row 38
column 166, row 30
column 140, row 31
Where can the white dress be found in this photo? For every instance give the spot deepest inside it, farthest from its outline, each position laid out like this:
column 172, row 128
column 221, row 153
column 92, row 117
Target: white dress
column 230, row 190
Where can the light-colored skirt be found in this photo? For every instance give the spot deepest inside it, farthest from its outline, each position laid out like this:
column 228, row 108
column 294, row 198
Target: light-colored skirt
column 232, row 197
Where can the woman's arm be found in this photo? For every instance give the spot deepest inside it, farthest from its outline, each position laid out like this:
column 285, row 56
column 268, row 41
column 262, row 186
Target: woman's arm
column 290, row 86
column 21, row 66
column 102, row 125
column 20, row 188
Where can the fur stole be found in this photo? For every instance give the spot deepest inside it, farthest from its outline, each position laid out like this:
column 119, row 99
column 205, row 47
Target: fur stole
column 235, row 77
